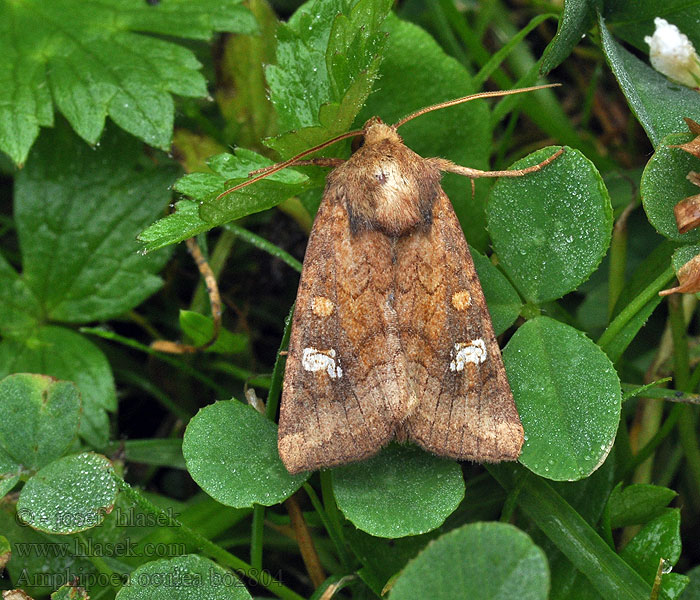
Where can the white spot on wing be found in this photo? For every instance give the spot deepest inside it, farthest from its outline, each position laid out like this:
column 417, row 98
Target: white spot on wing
column 472, row 352
column 321, row 360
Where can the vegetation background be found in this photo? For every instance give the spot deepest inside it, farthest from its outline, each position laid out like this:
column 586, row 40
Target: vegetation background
column 138, row 473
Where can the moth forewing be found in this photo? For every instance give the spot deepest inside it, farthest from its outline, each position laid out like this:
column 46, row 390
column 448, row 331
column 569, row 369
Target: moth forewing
column 391, row 335
column 466, row 408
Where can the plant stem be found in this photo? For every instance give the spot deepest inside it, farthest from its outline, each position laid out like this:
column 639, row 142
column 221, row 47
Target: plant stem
column 681, row 366
column 627, row 313
column 273, row 395
column 217, row 262
column 263, row 244
column 256, row 537
column 334, row 533
column 178, row 364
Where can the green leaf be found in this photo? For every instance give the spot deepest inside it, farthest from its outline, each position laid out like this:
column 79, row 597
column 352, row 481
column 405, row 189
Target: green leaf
column 241, row 91
column 568, row 397
column 189, row 577
column 70, row 592
column 659, row 539
column 161, row 452
column 658, row 103
column 231, row 452
column 588, row 498
column 401, row 491
column 199, row 328
column 664, row 185
column 180, row 225
column 637, row 503
column 383, row 558
column 503, row 301
column 229, row 170
column 64, row 354
column 20, row 308
column 10, row 472
column 575, row 21
column 97, row 62
column 40, row 561
column 550, row 229
column 40, row 418
column 328, row 55
column 71, row 494
column 493, row 561
column 632, row 20
column 460, row 133
column 78, row 211
column 641, row 296
column 673, row 585
column 4, row 551
column 692, row 592
column 611, row 576
column 684, row 254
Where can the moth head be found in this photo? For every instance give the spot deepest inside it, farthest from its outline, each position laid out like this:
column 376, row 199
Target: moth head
column 375, row 131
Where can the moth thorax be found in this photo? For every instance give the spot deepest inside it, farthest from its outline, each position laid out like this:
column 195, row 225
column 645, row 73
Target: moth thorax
column 397, row 202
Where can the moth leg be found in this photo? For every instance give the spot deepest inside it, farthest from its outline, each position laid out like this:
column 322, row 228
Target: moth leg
column 447, row 165
column 321, row 161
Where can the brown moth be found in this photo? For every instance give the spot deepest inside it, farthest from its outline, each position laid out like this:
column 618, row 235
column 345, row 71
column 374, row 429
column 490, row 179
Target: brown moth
column 391, row 336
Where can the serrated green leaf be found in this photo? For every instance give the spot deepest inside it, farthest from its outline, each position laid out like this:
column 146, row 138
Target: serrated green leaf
column 401, row 491
column 78, row 212
column 189, row 577
column 479, row 560
column 658, row 539
column 658, row 103
column 503, row 301
column 256, row 197
column 64, row 354
column 328, row 56
column 231, row 452
column 638, row 503
column 460, row 133
column 21, row 310
column 102, row 65
column 199, row 328
column 664, row 184
column 193, row 218
column 550, row 229
column 41, row 417
column 184, row 223
column 568, row 397
column 71, row 494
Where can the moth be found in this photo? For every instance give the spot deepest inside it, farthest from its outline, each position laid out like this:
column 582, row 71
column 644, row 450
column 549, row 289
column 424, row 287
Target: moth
column 391, row 336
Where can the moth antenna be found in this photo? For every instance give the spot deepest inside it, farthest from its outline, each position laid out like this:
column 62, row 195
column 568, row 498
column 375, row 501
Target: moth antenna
column 449, row 103
column 288, row 163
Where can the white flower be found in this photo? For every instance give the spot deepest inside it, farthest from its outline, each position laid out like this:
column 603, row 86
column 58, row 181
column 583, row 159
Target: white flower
column 673, row 54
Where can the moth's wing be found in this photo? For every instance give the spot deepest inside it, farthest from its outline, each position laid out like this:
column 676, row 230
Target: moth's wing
column 465, row 406
column 345, row 378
